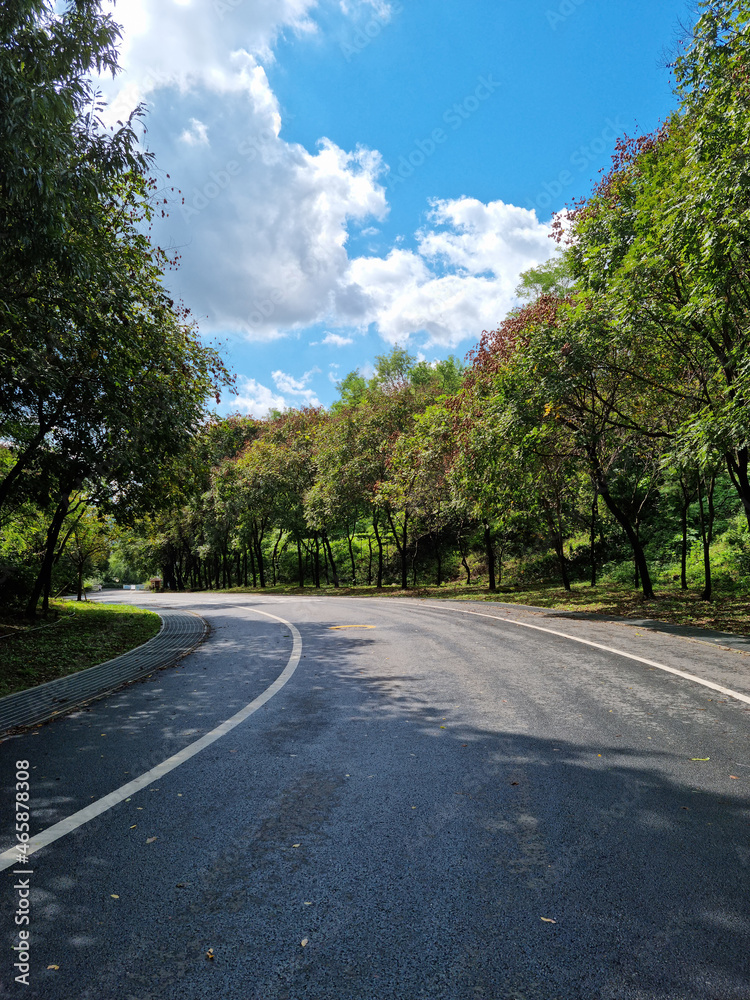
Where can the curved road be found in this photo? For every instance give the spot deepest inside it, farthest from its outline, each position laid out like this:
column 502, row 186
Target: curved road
column 429, row 804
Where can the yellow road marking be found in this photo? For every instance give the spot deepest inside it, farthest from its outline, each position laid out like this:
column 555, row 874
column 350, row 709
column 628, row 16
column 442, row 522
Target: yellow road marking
column 332, row 628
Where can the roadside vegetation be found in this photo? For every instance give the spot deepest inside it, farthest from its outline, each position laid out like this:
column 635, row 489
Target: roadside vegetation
column 593, row 449
column 74, row 637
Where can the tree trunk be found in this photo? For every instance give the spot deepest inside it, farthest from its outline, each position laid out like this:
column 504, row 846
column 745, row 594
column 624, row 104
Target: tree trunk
column 274, row 555
column 43, row 581
column 684, row 552
column 400, row 547
column 489, row 549
column 316, row 564
column 334, row 571
column 369, row 564
column 738, row 473
column 707, row 528
column 325, row 558
column 351, row 557
column 261, row 565
column 23, row 460
column 300, row 567
column 637, row 578
column 380, row 551
column 592, row 542
column 622, row 519
column 464, row 563
column 560, row 552
column 252, row 564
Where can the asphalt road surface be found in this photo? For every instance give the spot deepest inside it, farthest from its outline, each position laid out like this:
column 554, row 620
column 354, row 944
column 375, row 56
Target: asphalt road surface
column 427, row 804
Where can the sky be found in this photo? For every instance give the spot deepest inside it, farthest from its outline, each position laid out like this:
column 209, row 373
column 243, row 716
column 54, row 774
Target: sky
column 346, row 175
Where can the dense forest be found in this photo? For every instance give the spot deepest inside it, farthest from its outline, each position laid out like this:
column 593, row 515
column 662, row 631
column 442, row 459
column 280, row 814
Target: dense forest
column 601, row 432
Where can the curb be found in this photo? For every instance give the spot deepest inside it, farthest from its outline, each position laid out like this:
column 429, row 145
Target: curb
column 180, row 633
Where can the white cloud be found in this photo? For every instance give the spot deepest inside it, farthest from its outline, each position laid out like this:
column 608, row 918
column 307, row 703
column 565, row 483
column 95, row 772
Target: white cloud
column 196, row 135
column 254, row 399
column 297, row 386
column 336, row 340
column 262, row 224
column 460, row 279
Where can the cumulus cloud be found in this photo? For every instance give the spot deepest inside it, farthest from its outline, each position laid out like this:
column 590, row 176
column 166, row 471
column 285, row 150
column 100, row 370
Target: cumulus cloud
column 459, row 280
column 262, row 224
column 336, row 340
column 196, row 134
column 254, row 399
column 297, row 387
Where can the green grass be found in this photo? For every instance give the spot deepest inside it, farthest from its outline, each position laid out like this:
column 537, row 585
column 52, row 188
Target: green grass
column 728, row 612
column 75, row 636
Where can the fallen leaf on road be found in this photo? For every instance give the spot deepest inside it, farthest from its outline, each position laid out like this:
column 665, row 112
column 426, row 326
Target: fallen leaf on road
column 133, row 826
column 514, row 782
column 210, row 954
column 112, row 894
column 734, row 777
column 303, row 942
column 53, row 966
column 150, row 840
column 700, row 758
column 296, row 845
column 548, row 920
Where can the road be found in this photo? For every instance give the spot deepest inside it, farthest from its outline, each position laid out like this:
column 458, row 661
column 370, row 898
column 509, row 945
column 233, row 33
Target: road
column 430, row 804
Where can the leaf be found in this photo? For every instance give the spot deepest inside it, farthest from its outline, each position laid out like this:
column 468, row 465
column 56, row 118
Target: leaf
column 210, row 954
column 548, row 920
column 296, row 845
column 114, row 896
column 150, row 840
column 53, row 967
column 133, row 826
column 303, row 942
column 700, row 758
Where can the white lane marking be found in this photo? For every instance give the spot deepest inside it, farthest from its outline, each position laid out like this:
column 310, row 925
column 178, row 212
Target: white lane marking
column 597, row 645
column 11, row 857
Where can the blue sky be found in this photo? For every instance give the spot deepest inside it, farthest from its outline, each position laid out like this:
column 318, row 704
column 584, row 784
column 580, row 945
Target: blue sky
column 359, row 173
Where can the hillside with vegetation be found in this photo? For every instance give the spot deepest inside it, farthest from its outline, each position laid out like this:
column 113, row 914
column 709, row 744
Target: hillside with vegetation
column 599, row 435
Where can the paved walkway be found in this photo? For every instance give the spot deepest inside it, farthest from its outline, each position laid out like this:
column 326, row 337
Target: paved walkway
column 180, row 633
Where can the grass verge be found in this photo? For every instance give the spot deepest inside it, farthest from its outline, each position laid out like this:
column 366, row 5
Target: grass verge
column 728, row 612
column 76, row 636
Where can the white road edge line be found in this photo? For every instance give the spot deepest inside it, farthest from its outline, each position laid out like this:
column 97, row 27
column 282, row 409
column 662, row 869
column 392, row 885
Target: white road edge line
column 597, row 645
column 11, row 857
